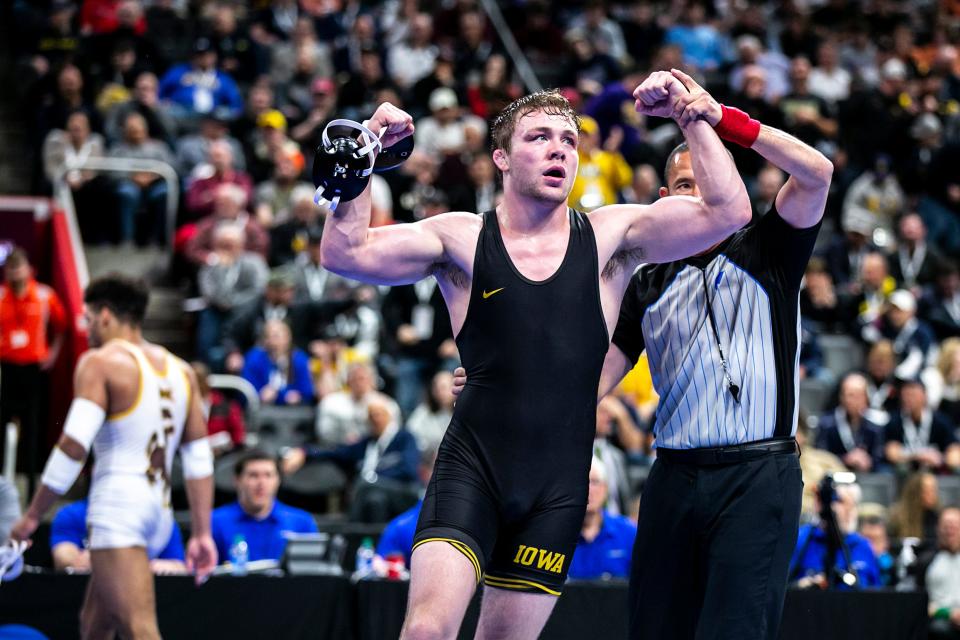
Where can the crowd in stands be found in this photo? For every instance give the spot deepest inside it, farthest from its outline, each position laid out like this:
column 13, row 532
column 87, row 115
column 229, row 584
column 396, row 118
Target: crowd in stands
column 234, row 96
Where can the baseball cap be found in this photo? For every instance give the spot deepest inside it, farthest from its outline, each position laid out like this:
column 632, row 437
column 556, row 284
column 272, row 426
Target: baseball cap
column 443, row 98
column 323, row 85
column 903, row 300
column 202, row 45
column 273, row 119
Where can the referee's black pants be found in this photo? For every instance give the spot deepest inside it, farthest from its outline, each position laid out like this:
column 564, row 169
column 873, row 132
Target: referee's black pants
column 21, row 389
column 713, row 548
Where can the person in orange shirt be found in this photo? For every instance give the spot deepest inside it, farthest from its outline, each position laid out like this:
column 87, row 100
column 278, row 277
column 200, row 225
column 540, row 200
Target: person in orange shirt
column 32, row 324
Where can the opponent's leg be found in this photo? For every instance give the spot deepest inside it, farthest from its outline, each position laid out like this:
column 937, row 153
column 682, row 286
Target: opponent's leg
column 513, row 615
column 442, row 581
column 124, row 589
column 95, row 622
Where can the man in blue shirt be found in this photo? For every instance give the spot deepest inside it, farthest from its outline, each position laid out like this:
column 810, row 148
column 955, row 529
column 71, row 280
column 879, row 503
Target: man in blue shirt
column 603, row 550
column 807, row 564
column 257, row 515
column 68, row 544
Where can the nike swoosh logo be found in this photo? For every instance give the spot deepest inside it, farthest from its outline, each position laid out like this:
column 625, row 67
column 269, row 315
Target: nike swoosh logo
column 487, row 294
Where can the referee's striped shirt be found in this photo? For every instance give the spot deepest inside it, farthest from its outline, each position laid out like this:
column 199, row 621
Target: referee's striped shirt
column 751, row 284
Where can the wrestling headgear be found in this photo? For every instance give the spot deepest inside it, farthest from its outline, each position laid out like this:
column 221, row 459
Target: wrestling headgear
column 343, row 164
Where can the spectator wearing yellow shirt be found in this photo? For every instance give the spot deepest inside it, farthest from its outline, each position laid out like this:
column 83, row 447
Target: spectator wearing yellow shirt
column 603, row 171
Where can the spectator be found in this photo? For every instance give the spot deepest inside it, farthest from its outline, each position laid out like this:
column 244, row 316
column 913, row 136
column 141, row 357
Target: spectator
column 142, row 187
column 10, row 507
column 303, row 45
column 313, row 283
column 807, row 567
column 943, row 579
column 201, row 194
column 64, row 154
column 881, row 383
column 603, row 172
column 229, row 204
column 845, row 254
column 54, row 110
column 414, row 58
column 770, row 68
column 430, row 419
column 226, row 426
column 279, row 371
column 257, row 515
column 588, row 70
column 596, row 24
column 769, row 181
column 804, row 114
column 874, row 529
column 196, row 150
column 829, row 80
column 358, row 95
column 826, row 309
column 603, row 549
column 418, row 339
column 847, row 433
column 274, row 198
column 397, row 536
column 445, row 131
column 494, row 90
column 877, row 194
column 948, row 370
column 814, row 465
column 231, row 279
column 702, row 44
column 198, row 87
column 915, row 263
column 940, row 306
column 915, row 514
column 913, row 341
column 342, row 415
column 290, row 239
column 99, row 17
column 384, row 464
column 32, row 326
column 266, row 141
column 442, row 76
column 145, row 101
column 323, row 94
column 275, row 23
column 238, row 54
column 920, row 436
column 615, row 426
column 874, row 287
column 71, row 553
column 245, row 325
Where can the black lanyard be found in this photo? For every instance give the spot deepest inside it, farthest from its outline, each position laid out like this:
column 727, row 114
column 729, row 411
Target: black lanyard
column 734, row 388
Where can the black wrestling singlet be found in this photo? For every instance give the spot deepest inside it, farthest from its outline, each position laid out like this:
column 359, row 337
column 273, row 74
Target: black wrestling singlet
column 511, row 473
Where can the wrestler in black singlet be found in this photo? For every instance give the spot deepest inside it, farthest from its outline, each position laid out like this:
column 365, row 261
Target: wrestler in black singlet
column 509, row 488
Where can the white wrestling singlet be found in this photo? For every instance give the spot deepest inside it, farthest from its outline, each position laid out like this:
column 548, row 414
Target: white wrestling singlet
column 133, row 457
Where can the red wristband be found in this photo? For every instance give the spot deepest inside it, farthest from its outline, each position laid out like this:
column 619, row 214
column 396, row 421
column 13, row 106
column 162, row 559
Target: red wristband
column 737, row 127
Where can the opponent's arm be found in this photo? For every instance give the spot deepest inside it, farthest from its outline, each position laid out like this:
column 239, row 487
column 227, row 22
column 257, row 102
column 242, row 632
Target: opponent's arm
column 801, row 201
column 678, row 226
column 86, row 416
column 196, row 457
column 396, row 254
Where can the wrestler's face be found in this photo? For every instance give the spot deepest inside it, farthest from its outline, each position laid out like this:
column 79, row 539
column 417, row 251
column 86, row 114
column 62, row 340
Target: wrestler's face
column 681, row 182
column 257, row 486
column 542, row 161
column 98, row 322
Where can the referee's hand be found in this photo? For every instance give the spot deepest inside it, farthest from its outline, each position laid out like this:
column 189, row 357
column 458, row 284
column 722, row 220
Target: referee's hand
column 459, row 381
column 695, row 104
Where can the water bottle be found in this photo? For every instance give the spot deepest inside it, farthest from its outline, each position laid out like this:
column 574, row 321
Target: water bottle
column 364, row 559
column 238, row 556
column 906, row 581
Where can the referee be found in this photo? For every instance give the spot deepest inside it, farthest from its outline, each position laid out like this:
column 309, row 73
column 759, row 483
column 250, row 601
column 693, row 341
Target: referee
column 721, row 505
